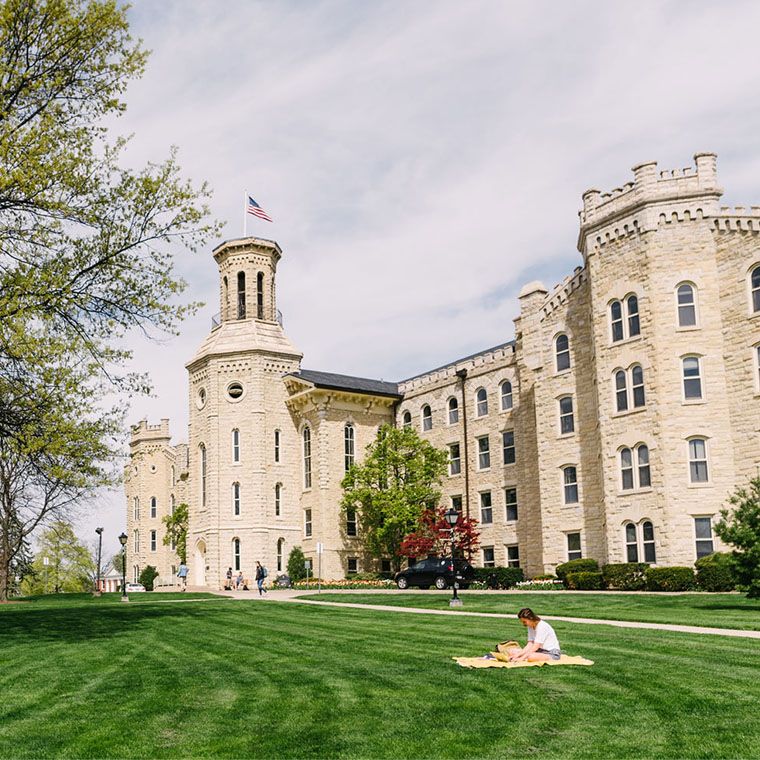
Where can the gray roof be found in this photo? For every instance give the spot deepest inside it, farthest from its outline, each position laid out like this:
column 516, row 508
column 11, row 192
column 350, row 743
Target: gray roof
column 348, row 383
column 463, row 359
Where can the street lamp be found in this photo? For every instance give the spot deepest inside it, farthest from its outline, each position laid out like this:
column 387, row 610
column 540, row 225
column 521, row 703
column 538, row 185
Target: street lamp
column 99, row 531
column 123, row 542
column 452, row 517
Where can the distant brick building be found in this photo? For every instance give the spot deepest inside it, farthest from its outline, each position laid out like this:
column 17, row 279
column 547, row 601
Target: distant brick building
column 613, row 426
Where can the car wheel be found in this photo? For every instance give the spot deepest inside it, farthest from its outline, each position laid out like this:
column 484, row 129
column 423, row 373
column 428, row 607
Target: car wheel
column 402, row 583
column 441, row 583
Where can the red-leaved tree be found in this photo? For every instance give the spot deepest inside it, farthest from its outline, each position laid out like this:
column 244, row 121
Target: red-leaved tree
column 433, row 536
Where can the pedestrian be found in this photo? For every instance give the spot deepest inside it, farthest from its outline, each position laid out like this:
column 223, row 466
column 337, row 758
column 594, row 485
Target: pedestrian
column 542, row 643
column 228, row 585
column 182, row 575
column 261, row 574
column 239, row 581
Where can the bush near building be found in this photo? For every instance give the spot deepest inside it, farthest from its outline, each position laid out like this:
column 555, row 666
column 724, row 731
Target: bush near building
column 585, row 581
column 670, row 579
column 715, row 572
column 147, row 576
column 504, row 577
column 584, row 565
column 625, row 576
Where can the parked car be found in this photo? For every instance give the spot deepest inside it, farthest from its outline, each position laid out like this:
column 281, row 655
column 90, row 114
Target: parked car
column 133, row 587
column 436, row 571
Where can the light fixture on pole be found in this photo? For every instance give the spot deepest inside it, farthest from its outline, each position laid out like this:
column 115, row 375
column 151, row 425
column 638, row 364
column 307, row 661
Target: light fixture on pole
column 99, row 531
column 452, row 517
column 123, row 542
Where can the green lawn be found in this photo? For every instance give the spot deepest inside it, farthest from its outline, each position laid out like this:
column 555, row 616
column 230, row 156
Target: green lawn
column 96, row 678
column 713, row 610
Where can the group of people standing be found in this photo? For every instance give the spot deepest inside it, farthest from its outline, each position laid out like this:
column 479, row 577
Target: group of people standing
column 238, row 580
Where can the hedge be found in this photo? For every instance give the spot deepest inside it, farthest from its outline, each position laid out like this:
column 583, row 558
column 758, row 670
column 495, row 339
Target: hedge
column 670, row 579
column 715, row 572
column 147, row 576
column 585, row 581
column 506, row 577
column 625, row 576
column 576, row 566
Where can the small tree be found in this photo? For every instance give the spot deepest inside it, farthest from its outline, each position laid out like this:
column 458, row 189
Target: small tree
column 740, row 526
column 176, row 530
column 296, row 564
column 433, row 536
column 392, row 487
column 147, row 576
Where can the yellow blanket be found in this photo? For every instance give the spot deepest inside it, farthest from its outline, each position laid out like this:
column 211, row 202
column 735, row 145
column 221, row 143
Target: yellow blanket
column 479, row 662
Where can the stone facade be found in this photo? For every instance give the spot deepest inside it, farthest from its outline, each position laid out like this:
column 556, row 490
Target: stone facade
column 613, row 426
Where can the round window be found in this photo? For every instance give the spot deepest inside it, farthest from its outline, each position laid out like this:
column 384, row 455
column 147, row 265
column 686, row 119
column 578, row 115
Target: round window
column 234, row 391
column 201, row 398
column 153, row 468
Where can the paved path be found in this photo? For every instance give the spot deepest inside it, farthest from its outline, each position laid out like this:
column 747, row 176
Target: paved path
column 290, row 595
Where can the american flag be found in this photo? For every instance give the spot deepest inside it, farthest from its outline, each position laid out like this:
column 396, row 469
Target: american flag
column 256, row 210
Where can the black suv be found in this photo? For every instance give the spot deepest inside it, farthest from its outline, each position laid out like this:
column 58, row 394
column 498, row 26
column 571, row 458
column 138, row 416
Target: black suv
column 437, row 572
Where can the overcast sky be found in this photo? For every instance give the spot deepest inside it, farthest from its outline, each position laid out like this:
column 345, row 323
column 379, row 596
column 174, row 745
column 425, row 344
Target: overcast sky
column 422, row 160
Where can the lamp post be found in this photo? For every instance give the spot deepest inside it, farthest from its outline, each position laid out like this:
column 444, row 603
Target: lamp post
column 123, row 542
column 452, row 517
column 99, row 531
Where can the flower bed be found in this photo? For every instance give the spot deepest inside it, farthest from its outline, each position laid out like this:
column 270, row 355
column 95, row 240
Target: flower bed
column 540, row 585
column 346, row 583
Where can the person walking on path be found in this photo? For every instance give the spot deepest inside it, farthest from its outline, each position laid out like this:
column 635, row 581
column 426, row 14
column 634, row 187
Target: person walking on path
column 542, row 643
column 182, row 575
column 229, row 579
column 261, row 575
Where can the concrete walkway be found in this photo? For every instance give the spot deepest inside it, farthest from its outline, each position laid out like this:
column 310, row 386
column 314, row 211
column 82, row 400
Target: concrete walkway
column 291, row 595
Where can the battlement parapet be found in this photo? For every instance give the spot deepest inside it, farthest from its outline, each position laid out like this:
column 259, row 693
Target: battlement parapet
column 142, row 432
column 738, row 218
column 563, row 291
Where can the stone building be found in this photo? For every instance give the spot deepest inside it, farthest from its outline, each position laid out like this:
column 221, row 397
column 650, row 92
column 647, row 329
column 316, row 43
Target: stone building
column 612, row 426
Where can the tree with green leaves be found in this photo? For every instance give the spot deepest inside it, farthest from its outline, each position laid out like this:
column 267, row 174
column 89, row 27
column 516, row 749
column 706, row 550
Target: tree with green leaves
column 296, row 564
column 390, row 489
column 176, row 529
column 739, row 526
column 147, row 576
column 69, row 567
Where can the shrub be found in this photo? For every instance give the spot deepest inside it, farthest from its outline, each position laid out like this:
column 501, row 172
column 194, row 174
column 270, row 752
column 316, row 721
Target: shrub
column 576, row 566
column 670, row 579
column 541, row 583
column 715, row 572
column 585, row 581
column 147, row 576
column 365, row 577
column 505, row 577
column 626, row 576
column 296, row 564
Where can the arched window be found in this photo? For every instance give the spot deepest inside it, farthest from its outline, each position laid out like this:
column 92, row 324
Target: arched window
column 481, row 398
column 570, row 484
column 631, row 543
column 632, row 306
column 755, row 286
column 687, row 305
column 407, row 420
column 642, row 457
column 637, row 386
column 276, row 445
column 626, row 469
column 427, row 418
column 235, row 445
column 562, row 352
column 202, row 449
column 172, row 504
column 566, row 417
column 621, row 390
column 280, row 544
column 698, row 471
column 277, row 499
column 153, row 506
column 226, row 295
column 136, row 537
column 260, row 295
column 647, row 534
column 236, row 499
column 453, row 411
column 616, row 321
column 348, row 446
column 174, row 476
column 136, row 505
column 506, row 395
column 136, row 573
column 692, row 378
column 236, row 554
column 307, row 457
column 241, row 295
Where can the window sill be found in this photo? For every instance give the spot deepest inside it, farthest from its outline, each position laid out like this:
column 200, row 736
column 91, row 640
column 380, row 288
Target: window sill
column 623, row 493
column 624, row 342
column 708, row 484
column 564, row 372
column 691, row 328
column 693, row 402
column 627, row 412
column 455, row 474
column 504, row 411
column 484, row 469
column 562, row 436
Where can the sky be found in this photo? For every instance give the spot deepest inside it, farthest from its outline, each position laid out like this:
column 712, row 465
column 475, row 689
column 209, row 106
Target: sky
column 421, row 160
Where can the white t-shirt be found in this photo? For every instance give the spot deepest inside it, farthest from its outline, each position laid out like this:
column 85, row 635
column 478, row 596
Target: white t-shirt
column 544, row 634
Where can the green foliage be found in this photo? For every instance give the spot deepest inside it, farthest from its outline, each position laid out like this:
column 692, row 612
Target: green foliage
column 296, row 564
column 715, row 572
column 70, row 567
column 740, row 527
column 670, row 579
column 506, row 577
column 583, row 565
column 176, row 529
column 585, row 581
column 397, row 480
column 147, row 576
column 625, row 576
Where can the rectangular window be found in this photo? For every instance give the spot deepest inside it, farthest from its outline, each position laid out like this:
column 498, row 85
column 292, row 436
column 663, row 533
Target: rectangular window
column 484, row 453
column 566, row 418
column 235, row 445
column 692, row 378
column 573, row 546
column 353, row 565
column 153, row 540
column 277, row 499
column 351, row 522
column 385, row 566
column 307, row 458
column 570, row 483
column 236, row 499
column 456, row 503
column 513, row 556
column 307, row 523
column 137, row 541
column 153, row 507
column 703, row 533
column 455, row 461
column 488, row 557
column 511, row 499
column 276, row 445
column 698, row 461
column 486, row 511
column 508, row 446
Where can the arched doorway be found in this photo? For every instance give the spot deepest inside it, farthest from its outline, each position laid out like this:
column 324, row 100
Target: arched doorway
column 200, row 563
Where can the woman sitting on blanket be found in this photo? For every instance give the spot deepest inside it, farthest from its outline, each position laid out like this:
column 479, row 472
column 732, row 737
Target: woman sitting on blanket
column 542, row 641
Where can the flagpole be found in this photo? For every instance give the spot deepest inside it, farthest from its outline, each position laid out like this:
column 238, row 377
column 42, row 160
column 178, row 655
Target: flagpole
column 245, row 209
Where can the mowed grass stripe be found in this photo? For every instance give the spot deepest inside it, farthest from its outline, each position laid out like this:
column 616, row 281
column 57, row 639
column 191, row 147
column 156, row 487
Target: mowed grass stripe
column 284, row 680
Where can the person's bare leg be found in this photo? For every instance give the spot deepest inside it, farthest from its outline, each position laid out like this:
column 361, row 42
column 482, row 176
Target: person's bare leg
column 513, row 652
column 538, row 657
